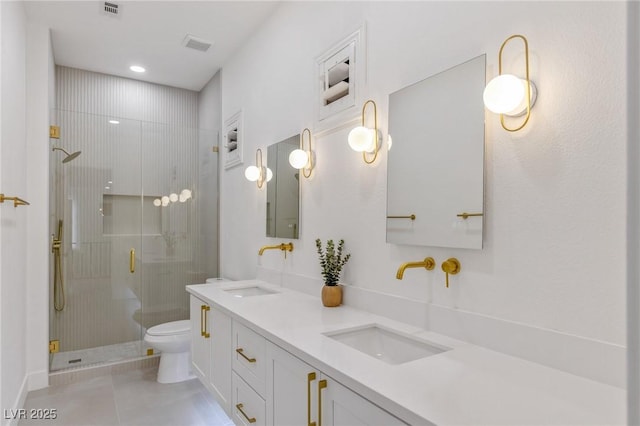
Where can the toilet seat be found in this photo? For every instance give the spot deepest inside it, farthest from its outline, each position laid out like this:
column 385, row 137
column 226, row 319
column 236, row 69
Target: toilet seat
column 170, row 328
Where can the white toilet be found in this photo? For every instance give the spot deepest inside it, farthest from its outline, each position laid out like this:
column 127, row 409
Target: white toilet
column 173, row 340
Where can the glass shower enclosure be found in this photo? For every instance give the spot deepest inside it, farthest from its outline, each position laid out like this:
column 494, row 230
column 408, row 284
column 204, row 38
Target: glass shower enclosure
column 128, row 233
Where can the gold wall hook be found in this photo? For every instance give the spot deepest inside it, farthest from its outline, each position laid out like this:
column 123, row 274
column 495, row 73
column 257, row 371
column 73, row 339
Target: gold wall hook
column 450, row 266
column 428, row 263
column 16, row 200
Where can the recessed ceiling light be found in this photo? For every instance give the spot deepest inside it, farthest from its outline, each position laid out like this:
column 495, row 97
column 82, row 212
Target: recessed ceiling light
column 114, row 122
column 137, row 68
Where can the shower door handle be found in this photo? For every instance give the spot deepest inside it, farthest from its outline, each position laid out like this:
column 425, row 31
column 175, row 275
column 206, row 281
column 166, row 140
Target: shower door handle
column 132, row 261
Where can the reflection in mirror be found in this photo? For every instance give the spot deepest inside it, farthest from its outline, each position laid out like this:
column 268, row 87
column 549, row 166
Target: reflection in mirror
column 283, row 191
column 435, row 172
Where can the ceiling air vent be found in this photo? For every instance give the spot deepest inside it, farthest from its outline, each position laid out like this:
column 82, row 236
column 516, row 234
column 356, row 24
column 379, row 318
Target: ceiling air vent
column 196, row 43
column 111, row 8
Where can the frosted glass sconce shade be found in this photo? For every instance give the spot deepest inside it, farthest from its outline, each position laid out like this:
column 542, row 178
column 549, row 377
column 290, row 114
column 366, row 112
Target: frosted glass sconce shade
column 157, row 202
column 363, row 139
column 165, row 201
column 252, row 173
column 508, row 94
column 257, row 173
column 269, row 174
column 298, row 158
column 173, row 197
column 303, row 159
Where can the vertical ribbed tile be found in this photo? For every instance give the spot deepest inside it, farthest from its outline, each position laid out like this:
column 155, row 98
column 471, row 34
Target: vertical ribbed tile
column 152, row 152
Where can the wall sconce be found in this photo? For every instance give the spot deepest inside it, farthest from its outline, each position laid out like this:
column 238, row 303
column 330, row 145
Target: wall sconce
column 301, row 159
column 366, row 140
column 258, row 173
column 509, row 95
column 164, row 201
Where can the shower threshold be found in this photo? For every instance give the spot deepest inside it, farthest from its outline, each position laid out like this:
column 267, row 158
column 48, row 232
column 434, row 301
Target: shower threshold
column 97, row 356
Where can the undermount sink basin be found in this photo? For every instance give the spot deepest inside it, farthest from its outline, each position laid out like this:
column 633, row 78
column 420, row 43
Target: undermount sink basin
column 249, row 291
column 386, row 345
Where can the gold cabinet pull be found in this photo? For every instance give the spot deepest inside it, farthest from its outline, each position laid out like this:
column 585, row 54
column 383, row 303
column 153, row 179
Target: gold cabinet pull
column 321, row 385
column 411, row 216
column 450, row 266
column 132, row 261
column 465, row 215
column 249, row 419
column 241, row 352
column 202, row 320
column 310, row 378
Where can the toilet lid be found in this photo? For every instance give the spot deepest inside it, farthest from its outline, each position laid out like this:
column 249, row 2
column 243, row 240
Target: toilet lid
column 168, row 328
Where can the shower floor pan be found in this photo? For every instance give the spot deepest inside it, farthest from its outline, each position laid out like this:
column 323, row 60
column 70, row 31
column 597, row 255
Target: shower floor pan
column 97, row 356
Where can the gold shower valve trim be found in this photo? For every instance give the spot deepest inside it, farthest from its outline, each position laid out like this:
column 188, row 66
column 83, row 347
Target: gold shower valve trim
column 450, row 266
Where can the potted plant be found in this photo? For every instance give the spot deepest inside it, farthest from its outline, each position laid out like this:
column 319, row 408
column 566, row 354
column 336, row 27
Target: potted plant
column 331, row 262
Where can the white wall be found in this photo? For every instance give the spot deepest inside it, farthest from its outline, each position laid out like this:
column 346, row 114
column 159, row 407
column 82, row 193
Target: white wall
column 554, row 248
column 633, row 208
column 41, row 80
column 13, row 228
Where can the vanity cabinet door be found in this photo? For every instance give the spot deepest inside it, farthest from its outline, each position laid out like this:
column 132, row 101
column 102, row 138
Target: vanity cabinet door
column 200, row 344
column 343, row 407
column 220, row 360
column 292, row 390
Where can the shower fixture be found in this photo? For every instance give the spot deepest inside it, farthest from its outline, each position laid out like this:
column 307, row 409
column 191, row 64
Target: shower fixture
column 58, row 282
column 69, row 157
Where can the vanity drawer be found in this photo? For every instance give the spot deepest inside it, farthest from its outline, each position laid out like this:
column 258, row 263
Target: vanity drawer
column 248, row 408
column 249, row 356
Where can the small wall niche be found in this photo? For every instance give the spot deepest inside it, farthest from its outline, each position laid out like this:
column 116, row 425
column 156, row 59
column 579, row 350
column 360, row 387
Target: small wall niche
column 341, row 76
column 125, row 215
column 233, row 138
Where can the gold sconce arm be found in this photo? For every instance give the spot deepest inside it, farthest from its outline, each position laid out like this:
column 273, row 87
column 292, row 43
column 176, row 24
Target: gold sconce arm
column 450, row 266
column 16, row 200
column 375, row 129
column 428, row 263
column 306, row 171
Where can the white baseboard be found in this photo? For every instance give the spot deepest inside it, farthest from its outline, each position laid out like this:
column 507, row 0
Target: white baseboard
column 596, row 360
column 19, row 403
column 38, row 380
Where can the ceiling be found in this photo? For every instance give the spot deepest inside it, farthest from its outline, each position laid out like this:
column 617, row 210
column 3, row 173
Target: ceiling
column 150, row 34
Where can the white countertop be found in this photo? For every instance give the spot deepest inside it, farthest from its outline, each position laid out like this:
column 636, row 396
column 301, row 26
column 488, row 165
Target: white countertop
column 467, row 385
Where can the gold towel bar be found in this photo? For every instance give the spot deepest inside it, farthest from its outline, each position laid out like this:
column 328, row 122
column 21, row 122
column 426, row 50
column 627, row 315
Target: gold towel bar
column 466, row 215
column 412, row 217
column 16, row 201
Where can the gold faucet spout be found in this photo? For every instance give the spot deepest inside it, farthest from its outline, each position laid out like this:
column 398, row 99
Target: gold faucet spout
column 284, row 247
column 428, row 263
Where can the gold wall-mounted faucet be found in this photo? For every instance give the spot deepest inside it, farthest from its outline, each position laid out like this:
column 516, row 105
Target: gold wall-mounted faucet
column 428, row 263
column 450, row 266
column 285, row 247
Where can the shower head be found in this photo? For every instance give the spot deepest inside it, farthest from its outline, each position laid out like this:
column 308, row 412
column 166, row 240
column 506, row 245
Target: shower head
column 69, row 157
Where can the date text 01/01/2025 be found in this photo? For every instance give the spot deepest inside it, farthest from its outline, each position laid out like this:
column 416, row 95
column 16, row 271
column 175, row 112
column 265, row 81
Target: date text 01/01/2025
column 34, row 413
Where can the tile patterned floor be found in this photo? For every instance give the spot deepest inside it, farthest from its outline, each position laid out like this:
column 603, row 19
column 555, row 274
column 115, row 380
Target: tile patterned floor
column 132, row 398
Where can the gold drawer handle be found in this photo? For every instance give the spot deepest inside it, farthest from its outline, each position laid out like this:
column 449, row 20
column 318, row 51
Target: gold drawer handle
column 322, row 384
column 310, row 378
column 250, row 420
column 202, row 319
column 241, row 352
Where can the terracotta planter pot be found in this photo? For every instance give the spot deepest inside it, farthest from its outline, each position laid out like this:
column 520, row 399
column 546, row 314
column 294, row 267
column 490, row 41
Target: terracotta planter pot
column 332, row 295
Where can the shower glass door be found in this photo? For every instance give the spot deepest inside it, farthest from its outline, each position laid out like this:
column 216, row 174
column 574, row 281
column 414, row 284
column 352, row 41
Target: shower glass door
column 96, row 293
column 134, row 233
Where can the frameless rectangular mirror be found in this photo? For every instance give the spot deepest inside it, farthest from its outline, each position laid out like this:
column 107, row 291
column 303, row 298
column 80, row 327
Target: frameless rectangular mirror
column 283, row 191
column 435, row 173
